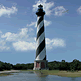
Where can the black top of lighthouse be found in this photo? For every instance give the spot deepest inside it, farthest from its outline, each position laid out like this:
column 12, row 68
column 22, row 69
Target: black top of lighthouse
column 40, row 5
column 40, row 11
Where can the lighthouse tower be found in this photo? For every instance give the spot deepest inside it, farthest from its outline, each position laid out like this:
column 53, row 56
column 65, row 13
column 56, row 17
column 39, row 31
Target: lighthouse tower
column 40, row 60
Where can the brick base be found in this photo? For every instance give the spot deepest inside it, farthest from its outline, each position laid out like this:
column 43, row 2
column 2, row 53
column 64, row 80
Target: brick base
column 40, row 65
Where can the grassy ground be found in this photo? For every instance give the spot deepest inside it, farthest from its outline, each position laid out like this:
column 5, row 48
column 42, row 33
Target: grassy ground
column 59, row 73
column 52, row 72
column 7, row 72
column 4, row 74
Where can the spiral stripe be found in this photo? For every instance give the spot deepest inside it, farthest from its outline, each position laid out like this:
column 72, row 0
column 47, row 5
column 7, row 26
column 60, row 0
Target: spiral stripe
column 39, row 20
column 40, row 39
column 40, row 25
column 41, row 55
column 40, row 31
column 44, row 58
column 41, row 49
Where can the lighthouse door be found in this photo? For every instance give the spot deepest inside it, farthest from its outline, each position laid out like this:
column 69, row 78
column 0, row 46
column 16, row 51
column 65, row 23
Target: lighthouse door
column 37, row 64
column 42, row 65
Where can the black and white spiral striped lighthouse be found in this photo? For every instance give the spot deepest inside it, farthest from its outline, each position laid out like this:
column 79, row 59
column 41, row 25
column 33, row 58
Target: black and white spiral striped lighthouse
column 40, row 60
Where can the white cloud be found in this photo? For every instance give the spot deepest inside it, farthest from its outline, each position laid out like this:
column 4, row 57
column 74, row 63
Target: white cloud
column 24, row 46
column 59, row 10
column 25, row 34
column 49, row 8
column 0, row 31
column 32, row 24
column 58, row 42
column 50, row 44
column 53, row 43
column 46, row 23
column 31, row 29
column 3, row 46
column 46, row 6
column 23, row 37
column 16, row 37
column 24, row 41
column 2, row 42
column 35, row 39
column 79, row 10
column 7, row 11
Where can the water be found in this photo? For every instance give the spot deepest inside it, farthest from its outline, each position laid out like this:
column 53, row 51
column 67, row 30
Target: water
column 35, row 76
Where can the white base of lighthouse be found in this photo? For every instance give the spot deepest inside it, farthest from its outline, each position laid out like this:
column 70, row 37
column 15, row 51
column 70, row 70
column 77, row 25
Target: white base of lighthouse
column 40, row 65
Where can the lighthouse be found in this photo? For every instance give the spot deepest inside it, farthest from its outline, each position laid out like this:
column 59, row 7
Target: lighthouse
column 40, row 59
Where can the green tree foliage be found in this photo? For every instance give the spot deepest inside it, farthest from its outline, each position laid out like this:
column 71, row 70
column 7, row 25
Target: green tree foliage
column 72, row 66
column 54, row 65
column 30, row 66
column 20, row 66
column 5, row 66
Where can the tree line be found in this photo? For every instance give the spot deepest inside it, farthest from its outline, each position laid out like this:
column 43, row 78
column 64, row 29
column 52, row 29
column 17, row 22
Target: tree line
column 68, row 66
column 54, row 65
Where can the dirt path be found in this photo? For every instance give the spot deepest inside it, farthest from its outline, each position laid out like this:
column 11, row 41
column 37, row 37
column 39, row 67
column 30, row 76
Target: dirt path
column 11, row 71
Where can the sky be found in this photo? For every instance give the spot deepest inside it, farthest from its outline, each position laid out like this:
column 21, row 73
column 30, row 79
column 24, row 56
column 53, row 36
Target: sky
column 18, row 27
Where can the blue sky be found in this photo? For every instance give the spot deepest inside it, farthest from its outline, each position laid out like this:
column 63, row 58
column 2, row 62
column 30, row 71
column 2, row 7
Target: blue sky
column 18, row 30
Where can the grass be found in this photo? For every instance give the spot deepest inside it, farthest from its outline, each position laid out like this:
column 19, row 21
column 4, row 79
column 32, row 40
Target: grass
column 52, row 72
column 59, row 73
column 5, row 74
